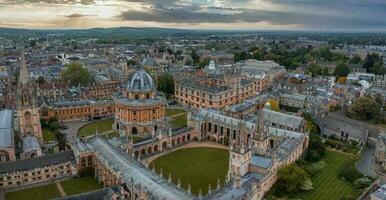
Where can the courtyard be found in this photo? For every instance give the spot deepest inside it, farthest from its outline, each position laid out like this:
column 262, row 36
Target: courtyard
column 328, row 182
column 48, row 135
column 100, row 126
column 199, row 167
column 55, row 190
column 178, row 118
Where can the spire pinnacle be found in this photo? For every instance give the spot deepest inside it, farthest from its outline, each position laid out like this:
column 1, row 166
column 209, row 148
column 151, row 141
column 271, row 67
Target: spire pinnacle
column 23, row 77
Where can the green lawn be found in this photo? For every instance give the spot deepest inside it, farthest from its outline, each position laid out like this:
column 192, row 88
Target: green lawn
column 178, row 117
column 80, row 185
column 48, row 135
column 327, row 184
column 38, row 193
column 101, row 126
column 136, row 139
column 197, row 166
column 171, row 112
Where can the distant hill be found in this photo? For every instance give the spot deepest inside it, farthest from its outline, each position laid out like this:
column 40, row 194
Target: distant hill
column 97, row 32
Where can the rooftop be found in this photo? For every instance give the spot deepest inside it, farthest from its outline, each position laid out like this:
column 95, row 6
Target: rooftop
column 6, row 132
column 37, row 162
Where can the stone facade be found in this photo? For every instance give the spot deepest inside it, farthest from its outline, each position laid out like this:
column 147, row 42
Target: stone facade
column 139, row 109
column 77, row 110
column 36, row 170
column 27, row 107
column 213, row 90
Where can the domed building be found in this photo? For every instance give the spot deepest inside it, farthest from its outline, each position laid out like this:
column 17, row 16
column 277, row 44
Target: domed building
column 139, row 110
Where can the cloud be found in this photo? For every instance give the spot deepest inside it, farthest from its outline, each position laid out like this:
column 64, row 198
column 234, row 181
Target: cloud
column 77, row 15
column 312, row 14
column 305, row 14
column 84, row 2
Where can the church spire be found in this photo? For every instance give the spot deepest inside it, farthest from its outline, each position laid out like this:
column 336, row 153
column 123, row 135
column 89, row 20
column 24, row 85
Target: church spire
column 23, row 77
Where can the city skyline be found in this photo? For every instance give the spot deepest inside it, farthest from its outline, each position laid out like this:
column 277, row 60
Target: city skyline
column 345, row 15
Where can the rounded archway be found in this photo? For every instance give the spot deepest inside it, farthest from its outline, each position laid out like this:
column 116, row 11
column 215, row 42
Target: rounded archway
column 134, row 130
column 164, row 146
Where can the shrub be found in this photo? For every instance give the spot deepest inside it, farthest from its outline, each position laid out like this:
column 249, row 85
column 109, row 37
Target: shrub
column 314, row 168
column 350, row 173
column 362, row 182
column 87, row 171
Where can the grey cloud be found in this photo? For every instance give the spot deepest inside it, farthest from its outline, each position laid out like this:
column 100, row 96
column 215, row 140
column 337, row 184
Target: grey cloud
column 313, row 14
column 85, row 2
column 77, row 15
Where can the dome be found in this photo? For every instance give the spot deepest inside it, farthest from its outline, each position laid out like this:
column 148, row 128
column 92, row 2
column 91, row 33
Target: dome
column 140, row 80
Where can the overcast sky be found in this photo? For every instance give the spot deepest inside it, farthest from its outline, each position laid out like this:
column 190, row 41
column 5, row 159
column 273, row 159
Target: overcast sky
column 342, row 15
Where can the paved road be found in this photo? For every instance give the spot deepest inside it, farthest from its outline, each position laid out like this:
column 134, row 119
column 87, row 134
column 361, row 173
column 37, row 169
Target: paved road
column 72, row 131
column 366, row 161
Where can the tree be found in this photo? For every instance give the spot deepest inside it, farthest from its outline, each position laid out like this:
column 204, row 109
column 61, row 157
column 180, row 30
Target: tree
column 291, row 179
column 75, row 74
column 41, row 80
column 195, row 57
column 365, row 108
column 131, row 62
column 350, row 172
column 203, row 63
column 341, row 80
column 166, row 84
column 316, row 148
column 355, row 60
column 374, row 64
column 241, row 56
column 274, row 104
column 341, row 70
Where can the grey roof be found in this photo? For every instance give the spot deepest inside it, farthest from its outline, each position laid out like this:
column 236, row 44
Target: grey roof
column 228, row 192
column 134, row 174
column 101, row 194
column 6, row 119
column 6, row 130
column 149, row 61
column 291, row 121
column 248, row 103
column 335, row 124
column 294, row 96
column 140, row 80
column 30, row 143
column 37, row 162
column 260, row 161
column 72, row 103
column 380, row 193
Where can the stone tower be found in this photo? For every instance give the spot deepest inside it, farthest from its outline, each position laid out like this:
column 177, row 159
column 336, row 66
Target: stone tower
column 240, row 153
column 26, row 105
column 260, row 138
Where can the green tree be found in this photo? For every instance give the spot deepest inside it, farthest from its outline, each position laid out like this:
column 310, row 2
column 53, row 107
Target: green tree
column 41, row 80
column 350, row 172
column 203, row 63
column 166, row 84
column 131, row 62
column 365, row 108
column 355, row 60
column 341, row 70
column 291, row 179
column 195, row 57
column 241, row 56
column 75, row 74
column 374, row 64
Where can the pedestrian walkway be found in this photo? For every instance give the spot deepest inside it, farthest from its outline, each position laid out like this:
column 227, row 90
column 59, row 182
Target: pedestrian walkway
column 61, row 190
